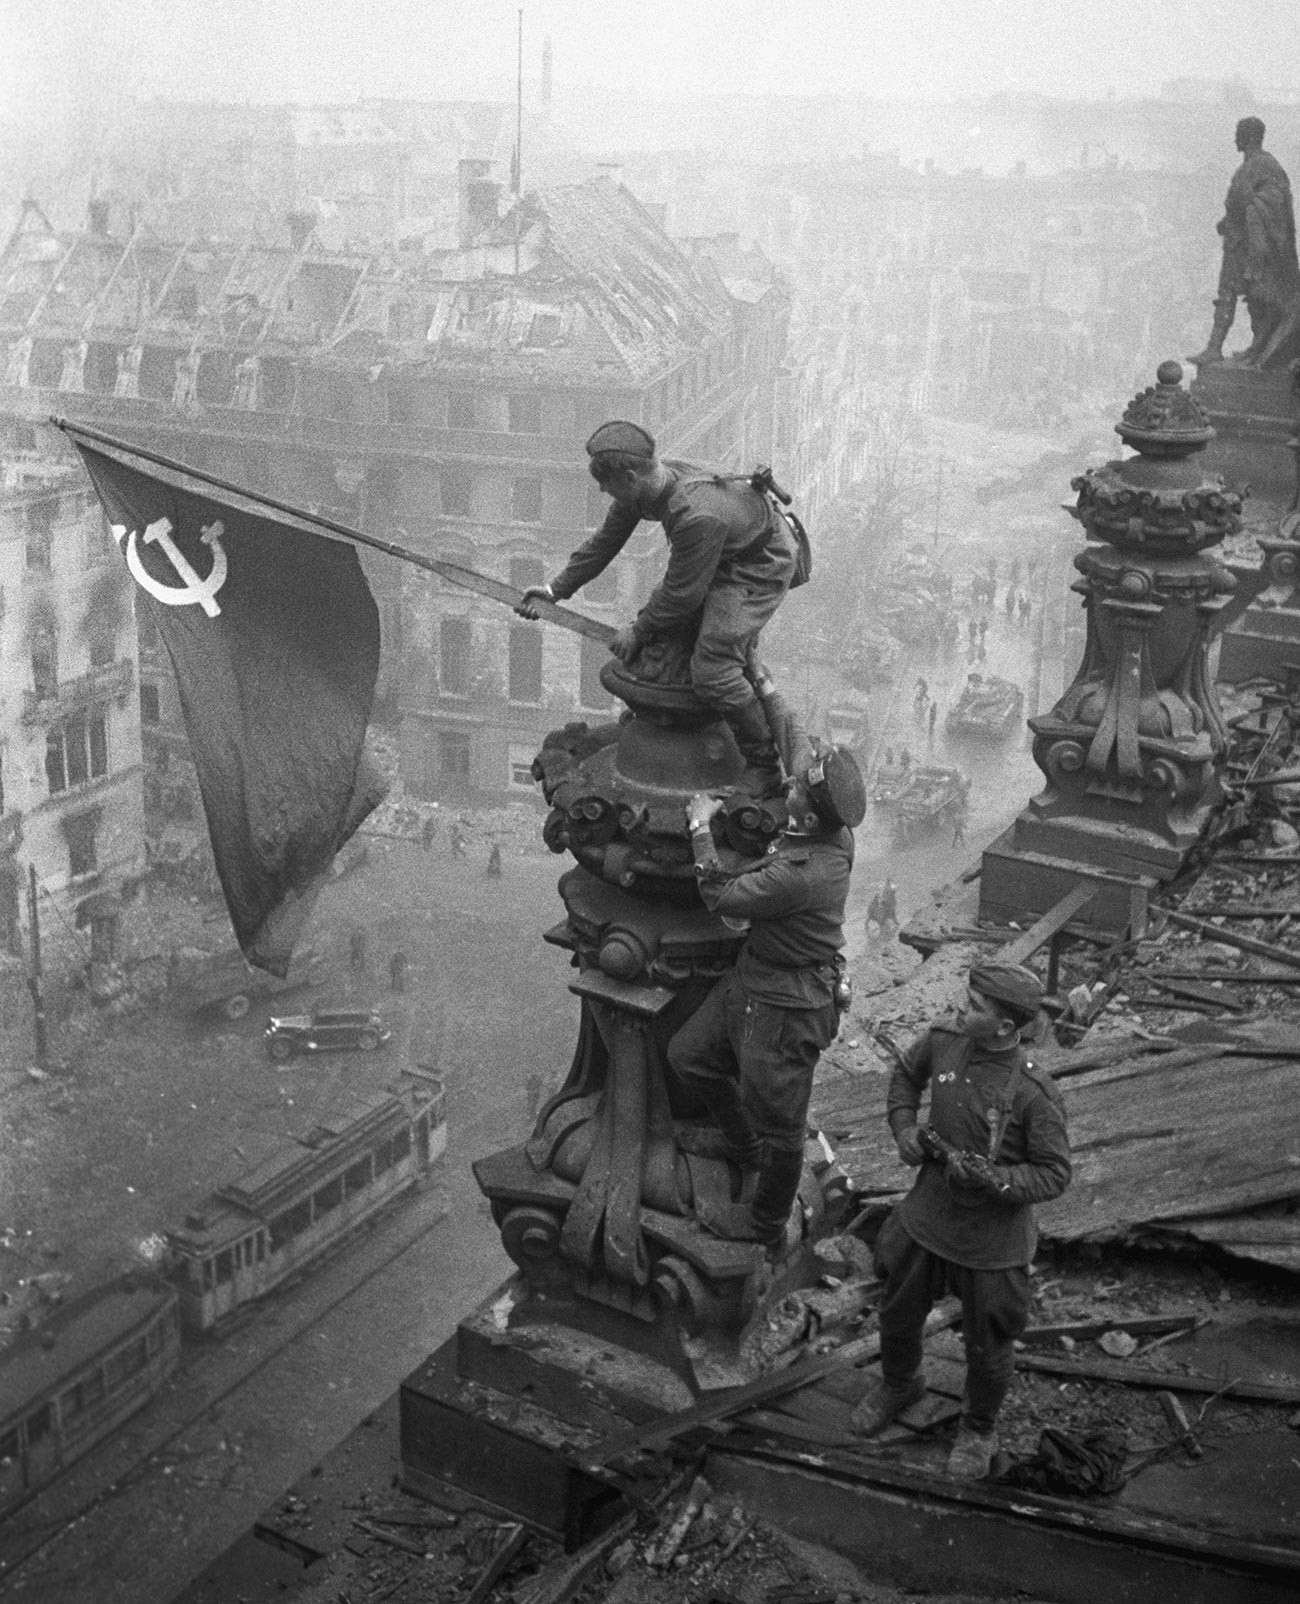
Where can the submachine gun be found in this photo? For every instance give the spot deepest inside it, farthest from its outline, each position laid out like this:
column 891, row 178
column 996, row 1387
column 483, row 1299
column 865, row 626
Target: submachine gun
column 946, row 1153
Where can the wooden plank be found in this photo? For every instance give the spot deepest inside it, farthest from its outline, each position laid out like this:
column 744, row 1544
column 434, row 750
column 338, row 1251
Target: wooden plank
column 1178, row 1143
column 1230, row 938
column 1139, row 1326
column 1042, row 930
column 1196, row 991
column 1128, row 1375
column 1243, row 910
column 942, row 1535
column 730, row 1401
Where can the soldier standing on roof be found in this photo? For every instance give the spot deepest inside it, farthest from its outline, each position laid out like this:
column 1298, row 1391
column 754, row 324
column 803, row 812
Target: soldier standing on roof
column 995, row 1145
column 731, row 558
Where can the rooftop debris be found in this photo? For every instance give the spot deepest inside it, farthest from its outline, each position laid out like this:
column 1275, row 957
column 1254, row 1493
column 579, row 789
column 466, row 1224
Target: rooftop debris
column 1174, row 1124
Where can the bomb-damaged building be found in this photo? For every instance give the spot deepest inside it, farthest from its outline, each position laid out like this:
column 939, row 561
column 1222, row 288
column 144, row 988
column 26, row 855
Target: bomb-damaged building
column 439, row 395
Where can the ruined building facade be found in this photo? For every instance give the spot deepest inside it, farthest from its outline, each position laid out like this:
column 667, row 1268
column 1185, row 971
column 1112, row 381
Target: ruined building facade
column 439, row 397
column 70, row 755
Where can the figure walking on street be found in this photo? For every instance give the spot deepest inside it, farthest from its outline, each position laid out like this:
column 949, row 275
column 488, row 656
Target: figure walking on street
column 428, row 832
column 397, row 967
column 995, row 1144
column 457, row 840
column 494, row 862
column 731, row 559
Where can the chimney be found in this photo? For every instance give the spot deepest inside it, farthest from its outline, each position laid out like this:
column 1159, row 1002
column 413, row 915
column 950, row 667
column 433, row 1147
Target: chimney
column 546, row 73
column 97, row 216
column 302, row 225
column 479, row 200
column 611, row 170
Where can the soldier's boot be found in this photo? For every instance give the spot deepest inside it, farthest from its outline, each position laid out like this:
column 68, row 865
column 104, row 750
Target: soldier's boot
column 972, row 1454
column 890, row 1400
column 764, row 776
column 774, row 1195
column 1213, row 351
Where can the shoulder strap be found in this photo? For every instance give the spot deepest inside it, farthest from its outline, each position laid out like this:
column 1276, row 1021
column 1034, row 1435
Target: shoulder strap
column 998, row 1126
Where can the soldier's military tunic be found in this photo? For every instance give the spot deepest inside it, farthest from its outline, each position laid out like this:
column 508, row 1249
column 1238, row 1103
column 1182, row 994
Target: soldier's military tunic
column 943, row 1239
column 730, row 562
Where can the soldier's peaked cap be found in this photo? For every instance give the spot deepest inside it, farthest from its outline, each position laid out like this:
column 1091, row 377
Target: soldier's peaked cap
column 836, row 787
column 619, row 435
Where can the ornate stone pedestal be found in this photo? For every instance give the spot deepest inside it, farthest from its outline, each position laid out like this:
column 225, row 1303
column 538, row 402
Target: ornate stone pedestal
column 626, row 1244
column 1131, row 753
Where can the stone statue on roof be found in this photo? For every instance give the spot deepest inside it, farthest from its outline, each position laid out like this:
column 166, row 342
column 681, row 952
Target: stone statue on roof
column 1259, row 258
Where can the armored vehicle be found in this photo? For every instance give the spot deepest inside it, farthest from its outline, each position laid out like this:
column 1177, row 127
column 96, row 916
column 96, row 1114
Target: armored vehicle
column 988, row 706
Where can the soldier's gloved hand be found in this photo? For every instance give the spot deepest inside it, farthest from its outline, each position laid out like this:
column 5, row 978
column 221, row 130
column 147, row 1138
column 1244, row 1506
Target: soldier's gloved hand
column 701, row 809
column 909, row 1146
column 623, row 643
column 524, row 606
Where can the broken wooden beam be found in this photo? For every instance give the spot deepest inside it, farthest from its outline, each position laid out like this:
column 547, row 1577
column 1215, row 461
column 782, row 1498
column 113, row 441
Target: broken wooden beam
column 732, row 1400
column 1042, row 930
column 1145, row 1325
column 1230, row 938
column 1176, row 1415
column 1243, row 910
column 666, row 1550
column 1197, row 991
column 1127, row 1375
column 560, row 1581
column 513, row 1539
column 1230, row 977
column 1277, row 777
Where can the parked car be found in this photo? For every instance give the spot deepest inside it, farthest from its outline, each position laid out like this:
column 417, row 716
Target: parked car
column 326, row 1031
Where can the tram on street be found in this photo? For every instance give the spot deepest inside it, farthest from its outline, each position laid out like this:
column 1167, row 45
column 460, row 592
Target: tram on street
column 69, row 1383
column 300, row 1196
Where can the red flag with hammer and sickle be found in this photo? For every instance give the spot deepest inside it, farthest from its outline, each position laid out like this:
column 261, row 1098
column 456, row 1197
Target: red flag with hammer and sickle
column 274, row 638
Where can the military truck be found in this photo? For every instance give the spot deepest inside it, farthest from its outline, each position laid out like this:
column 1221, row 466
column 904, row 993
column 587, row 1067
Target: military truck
column 226, row 983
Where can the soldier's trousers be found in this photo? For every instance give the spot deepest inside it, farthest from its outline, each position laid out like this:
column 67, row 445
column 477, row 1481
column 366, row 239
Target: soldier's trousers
column 732, row 617
column 769, row 1052
column 995, row 1308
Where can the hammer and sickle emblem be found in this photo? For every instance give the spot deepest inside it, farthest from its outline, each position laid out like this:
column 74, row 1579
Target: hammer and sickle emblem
column 195, row 588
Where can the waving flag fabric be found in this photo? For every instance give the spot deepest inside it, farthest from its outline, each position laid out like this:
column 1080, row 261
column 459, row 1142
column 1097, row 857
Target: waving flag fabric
column 274, row 637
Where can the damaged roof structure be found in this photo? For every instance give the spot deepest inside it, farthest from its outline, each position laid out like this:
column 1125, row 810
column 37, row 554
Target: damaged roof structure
column 440, row 388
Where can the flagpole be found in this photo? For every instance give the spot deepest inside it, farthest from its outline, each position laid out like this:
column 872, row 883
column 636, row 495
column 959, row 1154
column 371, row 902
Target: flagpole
column 453, row 573
column 519, row 132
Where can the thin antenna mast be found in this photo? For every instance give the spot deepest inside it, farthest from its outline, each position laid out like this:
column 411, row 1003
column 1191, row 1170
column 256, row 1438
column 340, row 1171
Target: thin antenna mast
column 518, row 163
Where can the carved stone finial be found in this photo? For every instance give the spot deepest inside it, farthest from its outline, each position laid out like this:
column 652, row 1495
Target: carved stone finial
column 1165, row 420
column 1160, row 502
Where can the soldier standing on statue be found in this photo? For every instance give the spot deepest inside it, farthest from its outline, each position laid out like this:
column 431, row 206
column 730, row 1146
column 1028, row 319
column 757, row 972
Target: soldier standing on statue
column 995, row 1145
column 1259, row 253
column 750, row 1049
column 731, row 558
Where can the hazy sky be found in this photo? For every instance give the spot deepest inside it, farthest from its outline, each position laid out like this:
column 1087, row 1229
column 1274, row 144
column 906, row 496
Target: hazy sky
column 321, row 50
